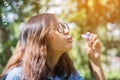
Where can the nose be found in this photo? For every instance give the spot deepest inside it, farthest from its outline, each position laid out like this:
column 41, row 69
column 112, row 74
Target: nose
column 66, row 31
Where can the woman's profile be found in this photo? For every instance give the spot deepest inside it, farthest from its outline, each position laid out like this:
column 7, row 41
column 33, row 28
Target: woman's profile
column 41, row 52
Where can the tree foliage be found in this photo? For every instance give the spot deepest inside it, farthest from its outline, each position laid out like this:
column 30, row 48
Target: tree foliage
column 97, row 16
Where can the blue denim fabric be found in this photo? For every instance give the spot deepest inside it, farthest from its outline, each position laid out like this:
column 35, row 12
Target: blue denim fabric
column 15, row 74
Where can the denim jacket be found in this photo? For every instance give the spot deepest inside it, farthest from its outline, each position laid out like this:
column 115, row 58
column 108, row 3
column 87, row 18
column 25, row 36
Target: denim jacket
column 15, row 74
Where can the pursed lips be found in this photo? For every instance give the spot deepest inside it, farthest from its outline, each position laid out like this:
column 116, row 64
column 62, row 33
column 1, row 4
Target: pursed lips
column 69, row 38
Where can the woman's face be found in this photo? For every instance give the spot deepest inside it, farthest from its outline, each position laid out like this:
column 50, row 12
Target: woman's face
column 59, row 39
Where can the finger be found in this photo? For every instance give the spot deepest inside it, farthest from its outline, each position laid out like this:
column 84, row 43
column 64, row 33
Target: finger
column 97, row 55
column 94, row 37
column 96, row 44
column 91, row 36
column 90, row 39
column 88, row 33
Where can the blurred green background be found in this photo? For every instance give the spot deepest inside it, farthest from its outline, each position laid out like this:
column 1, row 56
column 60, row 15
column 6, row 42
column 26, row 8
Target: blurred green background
column 101, row 17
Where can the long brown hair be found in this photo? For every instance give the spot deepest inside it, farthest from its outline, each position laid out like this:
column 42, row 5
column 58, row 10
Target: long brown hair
column 31, row 50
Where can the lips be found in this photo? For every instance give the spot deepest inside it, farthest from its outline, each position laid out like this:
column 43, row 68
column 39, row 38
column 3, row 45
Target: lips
column 70, row 39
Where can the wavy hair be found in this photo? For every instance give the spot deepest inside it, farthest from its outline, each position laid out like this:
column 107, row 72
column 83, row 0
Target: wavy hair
column 31, row 50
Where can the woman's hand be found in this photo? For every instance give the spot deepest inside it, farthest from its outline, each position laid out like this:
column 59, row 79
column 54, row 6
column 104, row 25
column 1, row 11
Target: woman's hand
column 93, row 48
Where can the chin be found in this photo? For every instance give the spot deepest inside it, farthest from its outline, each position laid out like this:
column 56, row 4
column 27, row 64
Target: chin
column 68, row 48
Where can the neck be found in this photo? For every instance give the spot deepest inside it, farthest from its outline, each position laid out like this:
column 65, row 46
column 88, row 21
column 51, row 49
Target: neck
column 53, row 58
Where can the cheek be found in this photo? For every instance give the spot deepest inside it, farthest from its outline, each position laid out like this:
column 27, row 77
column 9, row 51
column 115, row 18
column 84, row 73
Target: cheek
column 55, row 42
column 54, row 37
column 58, row 42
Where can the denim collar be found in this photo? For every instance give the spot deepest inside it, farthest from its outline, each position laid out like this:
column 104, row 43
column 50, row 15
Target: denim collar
column 57, row 77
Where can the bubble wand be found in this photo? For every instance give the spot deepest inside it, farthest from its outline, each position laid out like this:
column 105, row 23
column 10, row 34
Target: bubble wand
column 85, row 36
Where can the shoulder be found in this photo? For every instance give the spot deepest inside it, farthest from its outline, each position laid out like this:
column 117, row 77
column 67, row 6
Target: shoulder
column 13, row 74
column 75, row 76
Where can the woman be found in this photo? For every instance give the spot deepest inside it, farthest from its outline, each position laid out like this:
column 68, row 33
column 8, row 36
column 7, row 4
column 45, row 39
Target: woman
column 41, row 52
